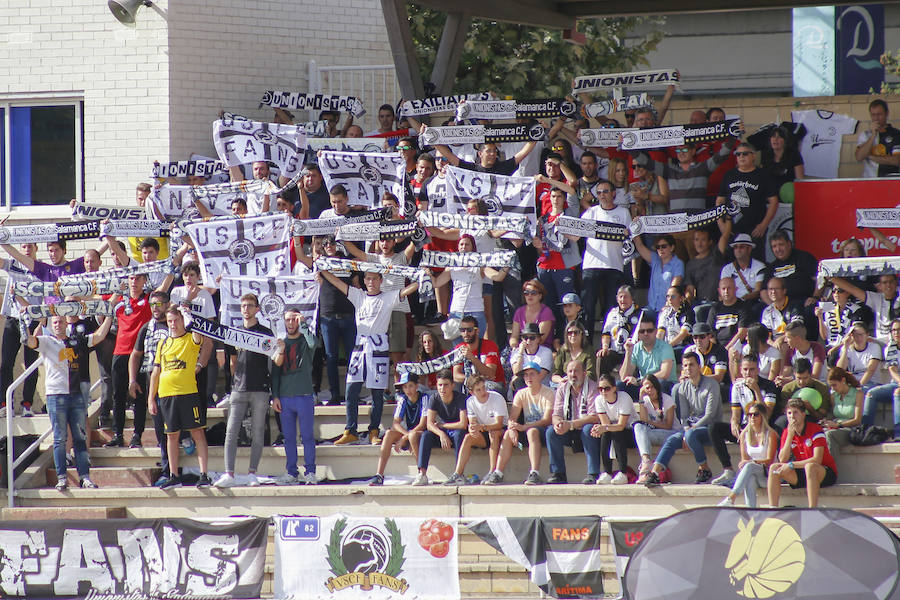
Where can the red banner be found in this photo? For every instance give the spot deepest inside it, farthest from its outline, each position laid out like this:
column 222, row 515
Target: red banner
column 825, row 214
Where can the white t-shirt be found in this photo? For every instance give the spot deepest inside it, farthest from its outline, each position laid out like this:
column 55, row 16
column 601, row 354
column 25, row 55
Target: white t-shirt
column 467, row 292
column 667, row 403
column 487, row 413
column 870, row 167
column 392, row 283
column 603, row 254
column 858, row 360
column 821, row 146
column 373, row 313
column 543, row 357
column 753, row 274
column 882, row 309
column 56, row 358
column 623, row 405
column 202, row 304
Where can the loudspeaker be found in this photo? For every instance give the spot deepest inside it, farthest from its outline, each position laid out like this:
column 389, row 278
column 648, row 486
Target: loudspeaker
column 126, row 10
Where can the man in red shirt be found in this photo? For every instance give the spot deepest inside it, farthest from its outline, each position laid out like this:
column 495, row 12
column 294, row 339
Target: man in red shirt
column 481, row 357
column 804, row 459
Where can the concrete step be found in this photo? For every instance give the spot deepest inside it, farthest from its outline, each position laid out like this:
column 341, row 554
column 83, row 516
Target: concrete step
column 100, row 436
column 51, row 513
column 110, row 477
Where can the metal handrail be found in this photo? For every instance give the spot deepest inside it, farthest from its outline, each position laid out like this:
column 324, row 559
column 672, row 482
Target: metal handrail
column 11, row 460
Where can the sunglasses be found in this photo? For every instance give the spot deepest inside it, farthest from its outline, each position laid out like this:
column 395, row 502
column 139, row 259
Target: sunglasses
column 155, row 304
column 531, row 292
column 467, row 329
column 529, row 337
column 404, row 147
column 604, row 388
column 645, row 331
column 682, row 150
column 743, row 153
column 755, row 414
column 662, row 246
column 576, row 332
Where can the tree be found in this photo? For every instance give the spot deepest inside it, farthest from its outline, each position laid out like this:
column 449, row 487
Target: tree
column 528, row 62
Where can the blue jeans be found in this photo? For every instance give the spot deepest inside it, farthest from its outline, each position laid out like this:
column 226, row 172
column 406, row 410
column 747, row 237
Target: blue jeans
column 558, row 282
column 556, row 447
column 430, row 440
column 695, row 438
column 302, row 409
column 599, row 284
column 353, row 390
column 749, row 479
column 881, row 394
column 67, row 410
column 334, row 331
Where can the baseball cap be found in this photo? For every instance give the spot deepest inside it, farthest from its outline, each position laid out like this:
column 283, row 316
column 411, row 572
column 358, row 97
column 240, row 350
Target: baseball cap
column 532, row 365
column 571, row 298
column 408, row 377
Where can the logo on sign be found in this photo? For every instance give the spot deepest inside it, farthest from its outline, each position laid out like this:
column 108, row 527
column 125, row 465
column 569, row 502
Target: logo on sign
column 366, row 557
column 767, row 561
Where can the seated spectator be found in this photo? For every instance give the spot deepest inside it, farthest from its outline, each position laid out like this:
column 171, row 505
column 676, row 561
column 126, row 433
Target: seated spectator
column 409, row 423
column 429, row 347
column 889, row 391
column 481, row 357
column 535, row 312
column 803, row 458
column 446, row 423
column 574, row 413
column 713, row 357
column 781, row 310
column 885, row 303
column 803, row 378
column 847, row 409
column 699, row 402
column 615, row 410
column 576, row 347
column 746, row 271
column 729, row 316
column 650, row 356
column 835, row 320
column 666, row 269
column 795, row 345
column 759, row 443
column 530, row 350
column 675, row 320
column 532, row 405
column 795, row 268
column 861, row 357
column 571, row 313
column 701, row 273
column 618, row 327
column 487, row 415
column 657, row 421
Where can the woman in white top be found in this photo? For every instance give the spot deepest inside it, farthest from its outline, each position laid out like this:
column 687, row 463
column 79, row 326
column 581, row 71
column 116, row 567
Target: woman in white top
column 770, row 359
column 616, row 412
column 657, row 420
column 467, row 286
column 758, row 442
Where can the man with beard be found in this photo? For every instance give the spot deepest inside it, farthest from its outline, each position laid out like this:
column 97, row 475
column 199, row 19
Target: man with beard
column 481, row 356
column 574, row 414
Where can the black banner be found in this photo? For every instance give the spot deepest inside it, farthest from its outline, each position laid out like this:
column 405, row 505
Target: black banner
column 133, row 558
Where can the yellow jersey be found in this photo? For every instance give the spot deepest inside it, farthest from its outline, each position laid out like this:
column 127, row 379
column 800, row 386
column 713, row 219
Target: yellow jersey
column 177, row 360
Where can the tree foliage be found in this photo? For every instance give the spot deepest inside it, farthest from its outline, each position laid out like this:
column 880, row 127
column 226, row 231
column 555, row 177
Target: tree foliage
column 528, row 62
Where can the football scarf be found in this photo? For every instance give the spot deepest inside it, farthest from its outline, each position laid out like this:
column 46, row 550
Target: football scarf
column 383, row 230
column 496, row 260
column 234, row 336
column 300, row 101
column 510, row 109
column 365, row 175
column 59, row 232
column 512, row 223
column 241, row 142
column 603, row 138
column 188, row 168
column 177, row 202
column 68, row 309
column 658, row 78
column 344, row 144
column 589, row 228
column 79, row 288
column 82, row 211
column 878, row 217
column 341, row 266
column 679, row 135
column 428, row 106
column 613, row 105
column 254, row 246
column 445, row 361
column 503, row 195
column 165, row 265
column 301, row 227
column 870, row 266
column 142, row 228
column 481, row 134
column 677, row 222
column 274, row 295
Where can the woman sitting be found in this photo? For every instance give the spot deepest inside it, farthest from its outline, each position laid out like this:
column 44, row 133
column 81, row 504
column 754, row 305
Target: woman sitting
column 758, row 443
column 657, row 420
column 575, row 347
column 616, row 412
column 675, row 320
column 847, row 409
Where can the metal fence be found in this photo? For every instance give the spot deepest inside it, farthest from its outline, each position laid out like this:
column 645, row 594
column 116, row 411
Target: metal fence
column 373, row 84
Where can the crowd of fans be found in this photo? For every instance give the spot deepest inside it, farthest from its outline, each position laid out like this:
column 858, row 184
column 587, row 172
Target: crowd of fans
column 572, row 345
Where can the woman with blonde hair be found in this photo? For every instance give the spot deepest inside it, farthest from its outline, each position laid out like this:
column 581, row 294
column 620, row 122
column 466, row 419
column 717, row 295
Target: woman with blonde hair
column 758, row 443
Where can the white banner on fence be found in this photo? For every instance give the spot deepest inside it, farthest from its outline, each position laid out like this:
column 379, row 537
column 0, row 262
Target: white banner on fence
column 365, row 557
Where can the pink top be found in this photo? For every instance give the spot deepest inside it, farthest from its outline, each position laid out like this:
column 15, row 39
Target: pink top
column 544, row 315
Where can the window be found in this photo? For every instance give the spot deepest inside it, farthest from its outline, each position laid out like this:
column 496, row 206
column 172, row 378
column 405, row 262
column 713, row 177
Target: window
column 41, row 153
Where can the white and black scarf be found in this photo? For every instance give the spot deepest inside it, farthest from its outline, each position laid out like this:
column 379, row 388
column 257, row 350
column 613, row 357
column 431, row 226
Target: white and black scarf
column 301, row 101
column 309, row 227
column 382, row 230
column 177, row 202
column 139, row 228
column 869, row 266
column 366, row 175
column 444, row 361
column 58, row 232
column 241, row 142
column 481, row 134
column 878, row 217
column 68, row 309
column 314, row 128
column 82, row 211
column 189, row 168
column 428, row 106
column 274, row 295
column 603, row 138
column 497, row 260
column 343, row 266
column 679, row 135
column 677, row 222
column 157, row 266
column 589, row 228
column 512, row 223
column 549, row 108
column 234, row 336
column 614, row 105
column 656, row 78
column 344, row 144
column 80, row 288
column 502, row 194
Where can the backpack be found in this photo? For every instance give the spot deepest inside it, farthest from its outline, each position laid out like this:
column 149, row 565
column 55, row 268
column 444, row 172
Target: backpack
column 863, row 435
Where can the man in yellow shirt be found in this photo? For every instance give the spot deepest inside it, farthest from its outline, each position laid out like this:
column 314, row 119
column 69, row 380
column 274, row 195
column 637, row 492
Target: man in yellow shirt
column 174, row 382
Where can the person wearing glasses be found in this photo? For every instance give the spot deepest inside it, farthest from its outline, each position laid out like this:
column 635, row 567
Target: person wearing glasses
column 889, row 392
column 615, row 410
column 666, row 269
column 861, row 356
column 534, row 312
column 408, row 148
column 530, row 350
column 781, row 310
column 575, row 347
column 480, row 357
column 713, row 356
column 649, row 355
column 753, row 191
column 758, row 443
column 621, row 321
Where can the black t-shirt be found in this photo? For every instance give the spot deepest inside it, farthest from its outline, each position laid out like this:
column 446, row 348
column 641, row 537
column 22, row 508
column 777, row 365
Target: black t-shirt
column 703, row 274
column 751, row 192
column 80, row 367
column 252, row 370
column 319, row 200
column 726, row 320
column 501, row 167
column 447, row 413
column 782, row 171
column 332, row 301
column 890, row 139
column 798, row 272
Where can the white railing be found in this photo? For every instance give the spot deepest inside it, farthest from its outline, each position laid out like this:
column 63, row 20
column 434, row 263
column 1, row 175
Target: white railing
column 373, row 84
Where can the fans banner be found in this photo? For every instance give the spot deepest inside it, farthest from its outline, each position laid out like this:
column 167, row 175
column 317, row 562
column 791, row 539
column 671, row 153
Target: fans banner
column 638, row 79
column 255, row 246
column 614, row 105
column 365, row 175
column 428, row 106
column 189, row 168
column 236, row 337
column 82, row 211
column 603, row 138
column 274, row 295
column 59, row 232
column 300, row 101
column 366, row 557
column 175, row 202
column 300, row 227
column 871, row 266
column 802, row 554
column 481, row 134
column 241, row 142
column 506, row 223
column 134, row 558
column 502, row 194
column 497, row 260
column 67, row 309
column 676, row 222
column 313, row 128
column 344, row 144
column 445, row 361
column 626, row 537
column 383, row 230
column 563, row 554
column 878, row 217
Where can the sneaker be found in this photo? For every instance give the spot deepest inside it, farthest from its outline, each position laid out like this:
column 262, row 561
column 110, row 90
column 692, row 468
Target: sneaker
column 87, row 483
column 347, row 438
column 287, row 479
column 204, row 481
column 373, row 437
column 534, row 478
column 646, row 465
column 323, row 397
column 604, row 479
column 189, row 445
column 726, row 478
column 590, row 479
column 335, row 401
column 252, row 480
column 62, row 485
column 455, row 479
column 225, row 481
column 279, row 440
column 161, row 480
column 619, row 478
column 557, row 478
column 726, row 501
column 651, row 479
column 703, row 476
column 136, row 442
column 377, row 480
column 171, row 482
column 116, row 442
column 421, row 479
column 27, row 412
column 310, row 479
column 492, row 478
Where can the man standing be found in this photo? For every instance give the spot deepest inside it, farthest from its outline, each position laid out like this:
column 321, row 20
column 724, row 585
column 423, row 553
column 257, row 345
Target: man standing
column 12, row 336
column 174, row 382
column 313, row 195
column 753, row 191
column 879, row 146
column 488, row 158
column 249, row 391
column 574, row 414
column 293, row 397
column 589, row 178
